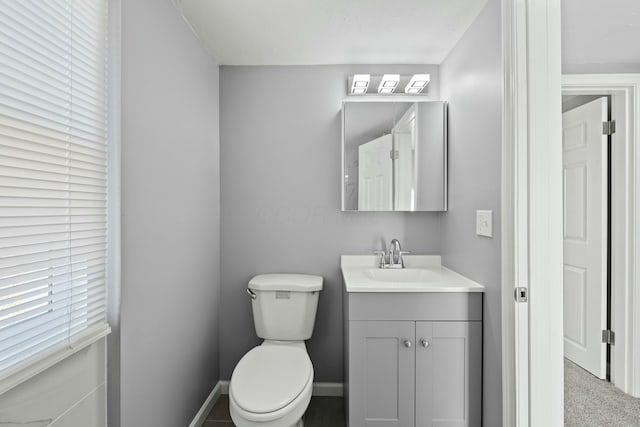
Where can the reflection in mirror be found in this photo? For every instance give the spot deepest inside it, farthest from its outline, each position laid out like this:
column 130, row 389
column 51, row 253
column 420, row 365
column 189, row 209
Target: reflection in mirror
column 394, row 155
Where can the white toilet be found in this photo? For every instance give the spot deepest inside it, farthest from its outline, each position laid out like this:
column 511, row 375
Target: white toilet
column 271, row 385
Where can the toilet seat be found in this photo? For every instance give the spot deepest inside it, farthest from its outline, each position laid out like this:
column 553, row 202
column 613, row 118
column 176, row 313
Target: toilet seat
column 286, row 416
column 271, row 383
column 268, row 378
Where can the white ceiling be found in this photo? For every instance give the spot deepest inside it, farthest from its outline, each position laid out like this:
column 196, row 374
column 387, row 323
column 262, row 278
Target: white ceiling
column 310, row 32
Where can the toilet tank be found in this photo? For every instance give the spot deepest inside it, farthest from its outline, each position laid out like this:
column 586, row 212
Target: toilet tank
column 284, row 305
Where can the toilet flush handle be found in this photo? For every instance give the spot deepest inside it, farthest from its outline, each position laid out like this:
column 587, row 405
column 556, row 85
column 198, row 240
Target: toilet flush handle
column 251, row 294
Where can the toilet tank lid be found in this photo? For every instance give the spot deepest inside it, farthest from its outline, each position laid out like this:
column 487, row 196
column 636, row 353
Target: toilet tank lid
column 286, row 282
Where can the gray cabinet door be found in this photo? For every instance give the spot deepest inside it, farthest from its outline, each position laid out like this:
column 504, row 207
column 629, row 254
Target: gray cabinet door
column 448, row 374
column 381, row 374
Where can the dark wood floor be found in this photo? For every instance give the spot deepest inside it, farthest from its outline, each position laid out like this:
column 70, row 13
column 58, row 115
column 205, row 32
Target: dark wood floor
column 322, row 412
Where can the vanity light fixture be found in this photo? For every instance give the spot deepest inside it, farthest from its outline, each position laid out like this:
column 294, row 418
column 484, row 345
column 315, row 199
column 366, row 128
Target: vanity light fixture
column 360, row 84
column 417, row 83
column 388, row 83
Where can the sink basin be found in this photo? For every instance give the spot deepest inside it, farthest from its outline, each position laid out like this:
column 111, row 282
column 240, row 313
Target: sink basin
column 423, row 273
column 401, row 275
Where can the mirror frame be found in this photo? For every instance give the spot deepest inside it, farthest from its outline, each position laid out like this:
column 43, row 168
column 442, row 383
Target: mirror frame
column 394, row 99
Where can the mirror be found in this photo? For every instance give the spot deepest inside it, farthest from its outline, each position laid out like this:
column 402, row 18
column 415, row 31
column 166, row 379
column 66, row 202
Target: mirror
column 394, row 155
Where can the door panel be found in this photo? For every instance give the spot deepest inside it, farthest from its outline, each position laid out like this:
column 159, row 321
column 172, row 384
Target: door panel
column 375, row 180
column 575, row 292
column 449, row 374
column 382, row 382
column 575, row 217
column 585, row 240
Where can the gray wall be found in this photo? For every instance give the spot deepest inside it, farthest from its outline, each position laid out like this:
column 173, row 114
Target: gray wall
column 280, row 198
column 170, row 219
column 471, row 80
column 600, row 37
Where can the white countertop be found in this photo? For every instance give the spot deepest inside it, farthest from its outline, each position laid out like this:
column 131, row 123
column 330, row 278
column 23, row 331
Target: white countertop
column 422, row 273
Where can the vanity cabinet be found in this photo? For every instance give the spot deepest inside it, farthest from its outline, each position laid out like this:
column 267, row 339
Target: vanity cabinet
column 414, row 359
column 382, row 374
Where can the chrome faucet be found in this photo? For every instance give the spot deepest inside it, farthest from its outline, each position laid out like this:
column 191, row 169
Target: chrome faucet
column 395, row 254
column 392, row 259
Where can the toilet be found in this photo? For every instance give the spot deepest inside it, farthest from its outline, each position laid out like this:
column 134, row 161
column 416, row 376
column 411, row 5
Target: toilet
column 271, row 385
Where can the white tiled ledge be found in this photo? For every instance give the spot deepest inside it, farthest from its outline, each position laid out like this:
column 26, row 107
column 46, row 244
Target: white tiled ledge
column 32, row 367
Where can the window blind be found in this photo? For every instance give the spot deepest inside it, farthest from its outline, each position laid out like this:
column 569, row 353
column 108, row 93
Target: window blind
column 53, row 176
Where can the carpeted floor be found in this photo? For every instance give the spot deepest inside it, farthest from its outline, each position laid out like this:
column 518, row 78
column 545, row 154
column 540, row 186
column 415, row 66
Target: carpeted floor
column 590, row 402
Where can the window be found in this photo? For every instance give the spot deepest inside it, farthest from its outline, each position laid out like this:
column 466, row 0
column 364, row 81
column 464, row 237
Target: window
column 53, row 178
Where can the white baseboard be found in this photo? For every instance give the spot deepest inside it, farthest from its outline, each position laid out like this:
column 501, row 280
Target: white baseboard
column 319, row 389
column 211, row 400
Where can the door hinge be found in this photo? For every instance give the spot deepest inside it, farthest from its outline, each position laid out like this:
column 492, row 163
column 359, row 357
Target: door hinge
column 394, row 154
column 608, row 337
column 521, row 294
column 609, row 128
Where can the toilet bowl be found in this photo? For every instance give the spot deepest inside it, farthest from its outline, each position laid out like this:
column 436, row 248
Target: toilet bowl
column 271, row 385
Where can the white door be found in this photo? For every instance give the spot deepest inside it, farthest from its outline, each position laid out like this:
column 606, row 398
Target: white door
column 585, row 235
column 375, row 181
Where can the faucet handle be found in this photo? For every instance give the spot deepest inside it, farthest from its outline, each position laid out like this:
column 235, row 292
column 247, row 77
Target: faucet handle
column 382, row 254
column 400, row 253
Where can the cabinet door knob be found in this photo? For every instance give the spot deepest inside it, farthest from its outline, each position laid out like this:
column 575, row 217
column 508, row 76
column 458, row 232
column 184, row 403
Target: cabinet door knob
column 407, row 343
column 424, row 343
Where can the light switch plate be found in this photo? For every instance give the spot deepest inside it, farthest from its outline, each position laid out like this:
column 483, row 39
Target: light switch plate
column 484, row 223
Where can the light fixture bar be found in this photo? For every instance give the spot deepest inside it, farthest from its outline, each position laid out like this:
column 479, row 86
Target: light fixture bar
column 417, row 83
column 360, row 84
column 388, row 83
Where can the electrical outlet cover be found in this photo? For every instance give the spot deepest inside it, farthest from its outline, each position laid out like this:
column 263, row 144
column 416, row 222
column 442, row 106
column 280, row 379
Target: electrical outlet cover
column 484, row 223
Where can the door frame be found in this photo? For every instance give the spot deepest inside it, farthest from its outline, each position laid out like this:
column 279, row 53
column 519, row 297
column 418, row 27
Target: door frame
column 625, row 217
column 531, row 230
column 532, row 210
